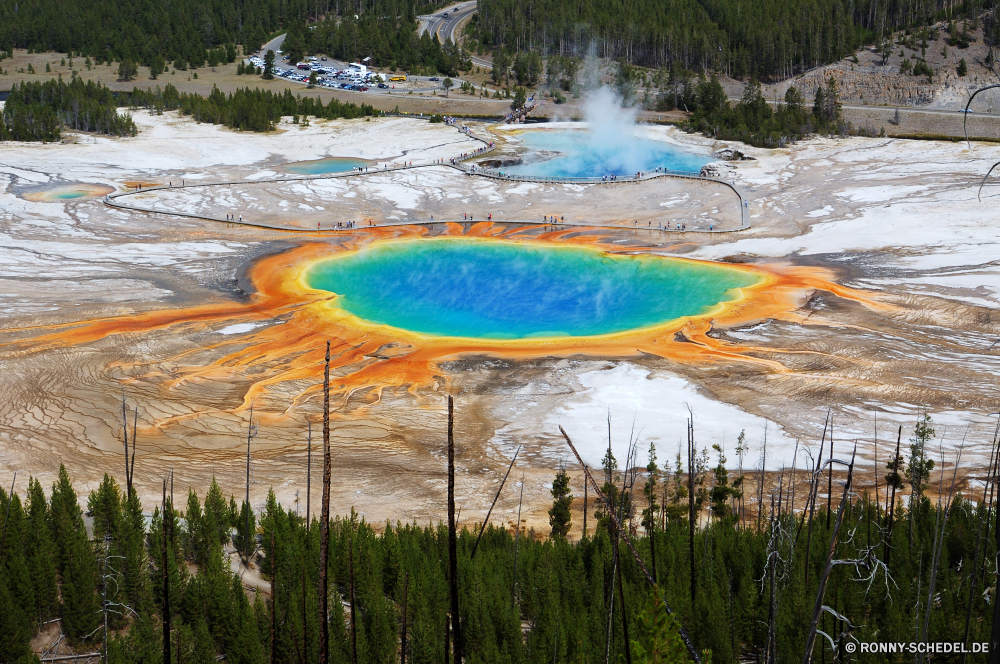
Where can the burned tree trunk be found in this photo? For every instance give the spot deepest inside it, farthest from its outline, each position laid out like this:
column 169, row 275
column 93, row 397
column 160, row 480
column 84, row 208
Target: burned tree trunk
column 453, row 536
column 402, row 640
column 274, row 597
column 354, row 604
column 691, row 514
column 166, row 580
column 324, row 526
column 828, row 568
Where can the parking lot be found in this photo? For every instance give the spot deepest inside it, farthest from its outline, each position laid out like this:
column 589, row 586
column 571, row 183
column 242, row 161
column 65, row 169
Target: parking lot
column 354, row 77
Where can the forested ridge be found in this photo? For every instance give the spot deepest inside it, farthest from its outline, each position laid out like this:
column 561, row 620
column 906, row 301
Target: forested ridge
column 742, row 38
column 181, row 30
column 896, row 575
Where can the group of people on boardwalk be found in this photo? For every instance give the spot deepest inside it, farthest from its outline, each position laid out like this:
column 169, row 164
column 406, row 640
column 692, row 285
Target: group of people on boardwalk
column 465, row 155
column 519, row 114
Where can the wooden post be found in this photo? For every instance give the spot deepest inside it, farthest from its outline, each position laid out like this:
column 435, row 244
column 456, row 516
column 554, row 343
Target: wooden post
column 453, row 535
column 324, row 536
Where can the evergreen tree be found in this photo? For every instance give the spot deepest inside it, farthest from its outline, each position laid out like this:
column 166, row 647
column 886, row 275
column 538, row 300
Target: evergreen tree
column 649, row 513
column 562, row 498
column 77, row 564
column 269, row 65
column 42, row 560
column 919, row 468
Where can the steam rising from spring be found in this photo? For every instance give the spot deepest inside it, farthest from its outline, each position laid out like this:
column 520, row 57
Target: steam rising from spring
column 611, row 144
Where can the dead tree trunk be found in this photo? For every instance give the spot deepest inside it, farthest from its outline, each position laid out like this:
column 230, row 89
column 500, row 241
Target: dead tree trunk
column 246, row 545
column 128, row 476
column 453, row 535
column 691, row 515
column 829, row 477
column 309, row 461
column 6, row 518
column 892, row 503
column 493, row 504
column 621, row 594
column 828, row 568
column 274, row 596
column 324, row 526
column 402, row 640
column 984, row 515
column 354, row 604
column 166, row 579
column 628, row 542
column 995, row 631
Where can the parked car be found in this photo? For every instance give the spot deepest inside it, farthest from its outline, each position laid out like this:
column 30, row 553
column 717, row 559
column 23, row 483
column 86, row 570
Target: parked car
column 382, row 85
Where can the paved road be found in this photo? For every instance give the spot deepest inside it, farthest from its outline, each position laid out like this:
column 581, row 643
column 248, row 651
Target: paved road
column 917, row 109
column 273, row 45
column 447, row 28
column 902, row 109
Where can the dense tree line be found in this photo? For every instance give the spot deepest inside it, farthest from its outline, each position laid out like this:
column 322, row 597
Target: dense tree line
column 38, row 111
column 751, row 120
column 189, row 33
column 906, row 575
column 248, row 109
column 388, row 38
column 763, row 38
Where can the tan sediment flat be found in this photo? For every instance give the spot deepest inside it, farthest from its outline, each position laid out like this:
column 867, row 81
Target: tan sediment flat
column 896, row 222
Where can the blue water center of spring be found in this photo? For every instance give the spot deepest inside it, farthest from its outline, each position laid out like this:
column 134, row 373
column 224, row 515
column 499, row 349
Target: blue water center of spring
column 327, row 165
column 493, row 289
column 580, row 153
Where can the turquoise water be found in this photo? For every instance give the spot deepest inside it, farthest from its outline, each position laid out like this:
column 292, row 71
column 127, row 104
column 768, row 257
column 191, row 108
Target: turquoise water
column 66, row 195
column 582, row 153
column 498, row 290
column 328, row 165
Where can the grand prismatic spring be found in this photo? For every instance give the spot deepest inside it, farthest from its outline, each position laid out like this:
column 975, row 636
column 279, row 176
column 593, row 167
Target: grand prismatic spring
column 489, row 289
column 832, row 298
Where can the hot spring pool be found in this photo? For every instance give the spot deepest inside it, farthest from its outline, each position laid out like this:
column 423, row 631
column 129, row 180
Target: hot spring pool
column 491, row 289
column 581, row 153
column 68, row 193
column 328, row 165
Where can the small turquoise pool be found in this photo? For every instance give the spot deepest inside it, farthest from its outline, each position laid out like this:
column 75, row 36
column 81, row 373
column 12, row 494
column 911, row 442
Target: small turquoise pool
column 502, row 290
column 580, row 153
column 328, row 165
